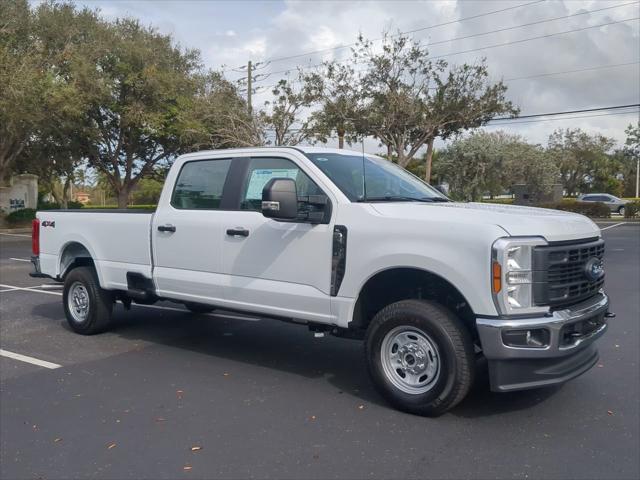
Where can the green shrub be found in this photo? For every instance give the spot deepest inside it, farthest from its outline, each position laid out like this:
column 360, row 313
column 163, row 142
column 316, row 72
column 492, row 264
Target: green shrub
column 56, row 206
column 590, row 209
column 632, row 210
column 21, row 216
column 501, row 201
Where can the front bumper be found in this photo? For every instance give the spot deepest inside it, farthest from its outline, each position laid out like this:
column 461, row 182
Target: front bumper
column 567, row 348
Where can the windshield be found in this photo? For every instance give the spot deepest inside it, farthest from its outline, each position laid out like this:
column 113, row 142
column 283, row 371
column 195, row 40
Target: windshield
column 385, row 181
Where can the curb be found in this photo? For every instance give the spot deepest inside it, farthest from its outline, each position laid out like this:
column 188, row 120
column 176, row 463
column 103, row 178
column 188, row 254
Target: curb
column 610, row 221
column 15, row 230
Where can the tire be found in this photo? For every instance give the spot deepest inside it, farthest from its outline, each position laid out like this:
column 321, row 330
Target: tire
column 434, row 351
column 199, row 308
column 81, row 284
column 621, row 211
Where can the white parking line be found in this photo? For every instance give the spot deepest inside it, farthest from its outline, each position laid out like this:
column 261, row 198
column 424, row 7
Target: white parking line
column 26, row 359
column 10, row 288
column 19, row 259
column 615, row 225
column 28, row 289
column 15, row 234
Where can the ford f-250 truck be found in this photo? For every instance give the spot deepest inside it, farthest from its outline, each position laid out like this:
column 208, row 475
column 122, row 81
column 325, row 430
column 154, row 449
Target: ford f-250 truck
column 353, row 245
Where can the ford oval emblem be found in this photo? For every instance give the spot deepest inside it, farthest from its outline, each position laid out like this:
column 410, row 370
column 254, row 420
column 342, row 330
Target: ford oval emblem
column 594, row 269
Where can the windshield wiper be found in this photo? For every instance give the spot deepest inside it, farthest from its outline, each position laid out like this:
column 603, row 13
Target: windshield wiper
column 400, row 198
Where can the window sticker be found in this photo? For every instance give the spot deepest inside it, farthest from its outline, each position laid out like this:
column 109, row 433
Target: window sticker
column 261, row 176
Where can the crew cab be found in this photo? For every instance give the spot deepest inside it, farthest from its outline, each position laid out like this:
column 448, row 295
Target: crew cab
column 348, row 244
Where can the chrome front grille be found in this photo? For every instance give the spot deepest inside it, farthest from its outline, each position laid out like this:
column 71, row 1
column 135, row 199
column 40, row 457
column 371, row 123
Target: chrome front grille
column 560, row 272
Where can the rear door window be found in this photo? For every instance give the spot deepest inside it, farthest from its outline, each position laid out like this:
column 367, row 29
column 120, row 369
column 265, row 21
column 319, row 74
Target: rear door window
column 200, row 184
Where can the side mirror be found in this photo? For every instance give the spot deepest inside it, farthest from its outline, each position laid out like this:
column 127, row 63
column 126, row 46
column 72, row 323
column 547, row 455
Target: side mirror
column 280, row 199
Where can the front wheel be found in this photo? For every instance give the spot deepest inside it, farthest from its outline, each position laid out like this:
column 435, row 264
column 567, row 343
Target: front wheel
column 420, row 357
column 87, row 306
column 621, row 211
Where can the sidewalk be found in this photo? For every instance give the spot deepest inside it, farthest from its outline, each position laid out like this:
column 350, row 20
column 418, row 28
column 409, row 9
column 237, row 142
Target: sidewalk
column 17, row 230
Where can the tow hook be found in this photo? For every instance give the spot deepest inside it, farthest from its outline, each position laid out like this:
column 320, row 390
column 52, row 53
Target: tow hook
column 609, row 315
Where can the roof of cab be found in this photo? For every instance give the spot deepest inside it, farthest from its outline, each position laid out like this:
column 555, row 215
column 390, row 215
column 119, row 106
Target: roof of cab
column 300, row 148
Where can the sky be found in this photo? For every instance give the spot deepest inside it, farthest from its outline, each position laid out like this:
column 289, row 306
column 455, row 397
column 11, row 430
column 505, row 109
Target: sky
column 596, row 66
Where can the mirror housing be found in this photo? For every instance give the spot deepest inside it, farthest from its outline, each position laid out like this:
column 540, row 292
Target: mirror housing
column 280, row 199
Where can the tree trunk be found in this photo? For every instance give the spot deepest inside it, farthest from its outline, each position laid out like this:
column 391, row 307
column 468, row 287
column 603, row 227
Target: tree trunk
column 389, row 152
column 65, row 193
column 428, row 158
column 341, row 138
column 4, row 169
column 123, row 197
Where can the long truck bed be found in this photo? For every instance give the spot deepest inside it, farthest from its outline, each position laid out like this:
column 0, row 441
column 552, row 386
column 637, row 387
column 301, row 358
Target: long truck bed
column 118, row 241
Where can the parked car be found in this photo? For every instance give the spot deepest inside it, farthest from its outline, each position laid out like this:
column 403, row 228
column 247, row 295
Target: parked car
column 352, row 245
column 614, row 203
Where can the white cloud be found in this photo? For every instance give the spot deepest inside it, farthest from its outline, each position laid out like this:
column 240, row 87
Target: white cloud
column 262, row 30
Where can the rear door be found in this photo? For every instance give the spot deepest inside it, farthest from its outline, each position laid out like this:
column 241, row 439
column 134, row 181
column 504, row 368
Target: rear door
column 187, row 233
column 281, row 268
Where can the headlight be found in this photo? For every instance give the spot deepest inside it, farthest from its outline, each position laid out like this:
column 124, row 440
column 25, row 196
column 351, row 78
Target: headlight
column 512, row 276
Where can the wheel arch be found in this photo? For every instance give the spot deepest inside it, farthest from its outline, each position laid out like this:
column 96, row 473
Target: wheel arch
column 74, row 254
column 402, row 283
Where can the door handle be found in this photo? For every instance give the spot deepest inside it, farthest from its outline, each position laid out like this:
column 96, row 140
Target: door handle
column 238, row 231
column 166, row 228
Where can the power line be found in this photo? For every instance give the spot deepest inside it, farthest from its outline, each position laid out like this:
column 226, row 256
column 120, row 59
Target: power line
column 586, row 69
column 488, row 47
column 450, row 22
column 546, row 74
column 538, row 22
column 564, row 118
column 565, row 112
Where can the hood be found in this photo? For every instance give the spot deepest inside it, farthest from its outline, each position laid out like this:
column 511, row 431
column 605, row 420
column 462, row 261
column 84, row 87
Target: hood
column 553, row 225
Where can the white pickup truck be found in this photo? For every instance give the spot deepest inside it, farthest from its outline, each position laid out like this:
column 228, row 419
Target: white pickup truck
column 348, row 244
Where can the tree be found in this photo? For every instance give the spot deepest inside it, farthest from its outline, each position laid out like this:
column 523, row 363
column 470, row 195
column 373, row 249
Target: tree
column 582, row 159
column 410, row 100
column 284, row 113
column 338, row 97
column 220, row 118
column 631, row 151
column 464, row 98
column 142, row 89
column 491, row 163
column 24, row 82
column 58, row 146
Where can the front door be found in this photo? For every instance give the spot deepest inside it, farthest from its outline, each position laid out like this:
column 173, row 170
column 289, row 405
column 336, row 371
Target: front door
column 282, row 268
column 187, row 235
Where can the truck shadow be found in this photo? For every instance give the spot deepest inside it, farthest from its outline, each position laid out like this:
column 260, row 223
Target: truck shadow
column 286, row 348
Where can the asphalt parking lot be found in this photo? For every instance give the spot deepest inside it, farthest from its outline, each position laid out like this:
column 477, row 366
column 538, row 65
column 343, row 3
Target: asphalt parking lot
column 168, row 394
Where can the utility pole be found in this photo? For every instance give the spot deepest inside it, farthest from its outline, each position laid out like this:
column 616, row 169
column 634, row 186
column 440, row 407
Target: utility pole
column 249, row 87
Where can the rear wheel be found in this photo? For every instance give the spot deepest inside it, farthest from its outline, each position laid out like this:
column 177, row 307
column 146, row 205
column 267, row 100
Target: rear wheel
column 199, row 307
column 87, row 306
column 420, row 357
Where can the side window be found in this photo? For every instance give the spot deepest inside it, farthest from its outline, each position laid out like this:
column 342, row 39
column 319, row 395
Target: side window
column 263, row 169
column 588, row 198
column 199, row 185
